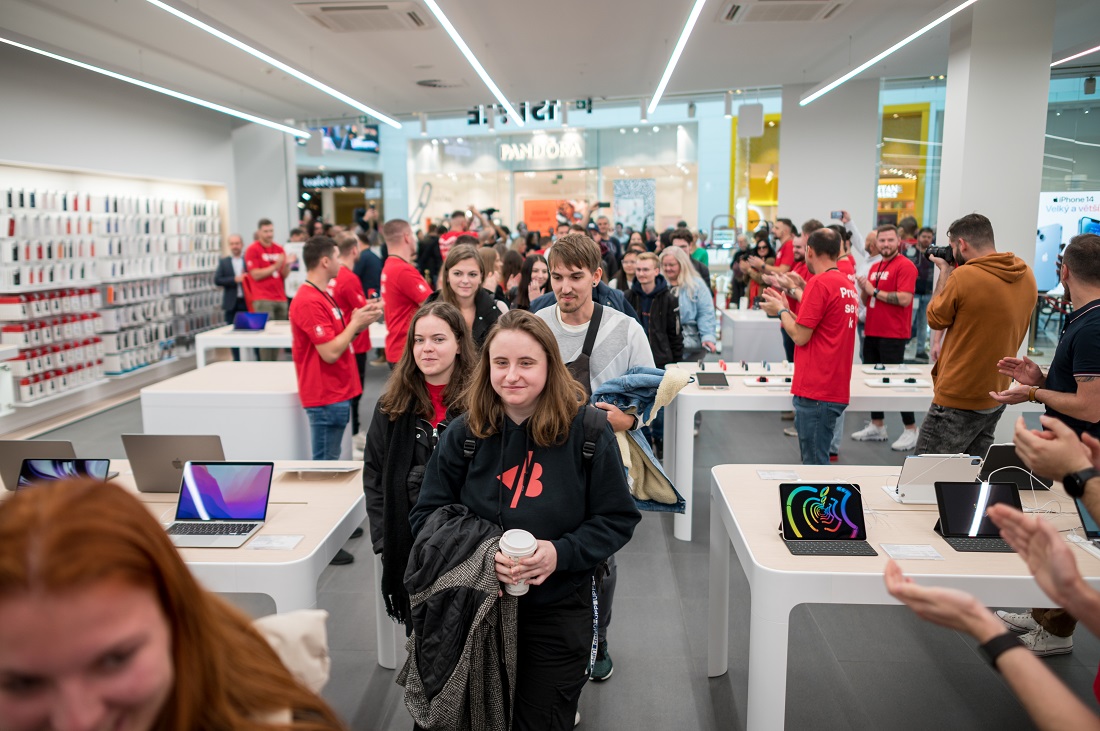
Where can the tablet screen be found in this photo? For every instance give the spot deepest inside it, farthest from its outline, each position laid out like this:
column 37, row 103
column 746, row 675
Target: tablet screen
column 963, row 505
column 822, row 511
column 712, row 379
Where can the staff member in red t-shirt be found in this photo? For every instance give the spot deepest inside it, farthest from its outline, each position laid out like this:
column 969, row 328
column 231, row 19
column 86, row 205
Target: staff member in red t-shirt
column 323, row 358
column 268, row 265
column 347, row 290
column 824, row 334
column 887, row 290
column 403, row 287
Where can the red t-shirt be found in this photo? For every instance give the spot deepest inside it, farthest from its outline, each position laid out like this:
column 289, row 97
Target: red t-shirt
column 436, row 395
column 785, row 255
column 803, row 271
column 259, row 256
column 885, row 320
column 823, row 366
column 403, row 291
column 447, row 240
column 847, row 264
column 314, row 319
column 347, row 290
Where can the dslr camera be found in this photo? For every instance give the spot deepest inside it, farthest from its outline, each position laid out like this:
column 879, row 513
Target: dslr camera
column 940, row 252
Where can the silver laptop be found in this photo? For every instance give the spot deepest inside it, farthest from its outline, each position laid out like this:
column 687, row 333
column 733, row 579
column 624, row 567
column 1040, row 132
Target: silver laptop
column 919, row 474
column 221, row 504
column 157, row 459
column 13, row 452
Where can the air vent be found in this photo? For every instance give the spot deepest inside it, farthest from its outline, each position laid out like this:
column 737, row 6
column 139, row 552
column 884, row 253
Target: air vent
column 366, row 17
column 779, row 11
column 441, row 83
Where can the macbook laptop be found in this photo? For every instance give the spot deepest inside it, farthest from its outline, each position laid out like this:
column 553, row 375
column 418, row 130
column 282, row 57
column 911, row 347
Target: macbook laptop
column 1004, row 465
column 963, row 522
column 221, row 504
column 33, row 471
column 157, row 459
column 919, row 475
column 823, row 519
column 250, row 321
column 13, row 452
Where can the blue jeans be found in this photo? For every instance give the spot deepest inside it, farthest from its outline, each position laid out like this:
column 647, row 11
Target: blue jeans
column 815, row 422
column 920, row 320
column 326, row 428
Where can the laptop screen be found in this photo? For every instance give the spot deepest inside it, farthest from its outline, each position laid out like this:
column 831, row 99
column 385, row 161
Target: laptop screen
column 50, row 470
column 1092, row 530
column 822, row 511
column 250, row 321
column 224, row 491
column 962, row 506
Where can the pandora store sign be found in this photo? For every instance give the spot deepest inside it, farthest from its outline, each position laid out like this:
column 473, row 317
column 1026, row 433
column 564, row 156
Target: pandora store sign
column 567, row 148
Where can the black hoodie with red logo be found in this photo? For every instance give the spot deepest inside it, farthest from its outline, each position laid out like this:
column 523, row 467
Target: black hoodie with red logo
column 588, row 514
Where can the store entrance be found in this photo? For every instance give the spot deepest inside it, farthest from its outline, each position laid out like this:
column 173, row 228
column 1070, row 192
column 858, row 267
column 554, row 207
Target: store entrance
column 539, row 196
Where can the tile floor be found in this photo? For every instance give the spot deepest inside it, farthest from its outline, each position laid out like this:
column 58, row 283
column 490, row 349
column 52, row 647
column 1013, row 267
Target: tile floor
column 852, row 667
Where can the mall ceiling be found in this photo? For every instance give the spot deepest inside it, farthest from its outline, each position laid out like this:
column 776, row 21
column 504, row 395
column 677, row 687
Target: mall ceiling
column 568, row 49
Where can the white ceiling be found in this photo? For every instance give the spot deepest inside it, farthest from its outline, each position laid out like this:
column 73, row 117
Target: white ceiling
column 533, row 49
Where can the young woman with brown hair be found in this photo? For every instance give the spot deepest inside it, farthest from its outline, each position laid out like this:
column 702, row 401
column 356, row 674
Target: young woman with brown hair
column 461, row 285
column 529, row 471
column 102, row 625
column 423, row 394
column 534, row 281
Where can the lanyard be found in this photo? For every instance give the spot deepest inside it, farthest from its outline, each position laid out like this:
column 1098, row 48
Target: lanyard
column 884, row 266
column 335, row 307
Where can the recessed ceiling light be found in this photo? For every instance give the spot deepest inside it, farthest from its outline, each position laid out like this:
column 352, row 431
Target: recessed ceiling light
column 635, row 130
column 162, row 90
column 276, row 63
column 656, row 128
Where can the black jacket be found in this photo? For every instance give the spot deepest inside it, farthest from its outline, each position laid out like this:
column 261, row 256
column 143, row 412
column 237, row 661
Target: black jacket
column 379, row 434
column 225, row 277
column 486, row 313
column 368, row 267
column 429, row 260
column 584, row 509
column 660, row 311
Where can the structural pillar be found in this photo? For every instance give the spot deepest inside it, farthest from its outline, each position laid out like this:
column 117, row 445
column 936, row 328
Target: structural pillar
column 828, row 153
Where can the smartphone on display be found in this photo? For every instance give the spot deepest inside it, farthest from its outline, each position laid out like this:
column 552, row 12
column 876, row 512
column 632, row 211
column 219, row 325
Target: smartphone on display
column 1088, row 226
column 1048, row 242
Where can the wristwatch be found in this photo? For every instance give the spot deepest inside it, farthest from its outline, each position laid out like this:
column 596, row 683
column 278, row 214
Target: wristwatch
column 1075, row 482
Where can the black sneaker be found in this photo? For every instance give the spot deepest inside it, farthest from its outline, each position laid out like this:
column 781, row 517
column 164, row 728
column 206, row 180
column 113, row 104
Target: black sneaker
column 921, row 357
column 357, row 533
column 342, row 558
column 603, row 667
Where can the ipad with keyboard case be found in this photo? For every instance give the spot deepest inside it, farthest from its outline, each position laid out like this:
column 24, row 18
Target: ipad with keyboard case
column 823, row 519
column 963, row 522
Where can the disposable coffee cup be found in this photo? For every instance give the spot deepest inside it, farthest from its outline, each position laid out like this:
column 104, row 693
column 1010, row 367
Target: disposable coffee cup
column 743, row 303
column 517, row 544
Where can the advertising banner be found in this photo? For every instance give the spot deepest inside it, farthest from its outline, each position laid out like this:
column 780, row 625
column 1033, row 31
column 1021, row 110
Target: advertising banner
column 542, row 215
column 1061, row 217
column 635, row 202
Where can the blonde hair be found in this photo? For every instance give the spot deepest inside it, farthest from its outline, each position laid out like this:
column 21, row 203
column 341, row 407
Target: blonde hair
column 649, row 256
column 689, row 279
column 558, row 403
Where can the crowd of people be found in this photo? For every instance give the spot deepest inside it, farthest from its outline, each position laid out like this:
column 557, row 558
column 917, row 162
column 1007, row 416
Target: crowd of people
column 496, row 344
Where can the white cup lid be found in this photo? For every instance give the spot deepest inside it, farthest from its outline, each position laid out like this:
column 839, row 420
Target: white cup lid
column 517, row 541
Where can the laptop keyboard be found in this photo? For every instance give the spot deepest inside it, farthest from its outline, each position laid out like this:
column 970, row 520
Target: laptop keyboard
column 966, row 544
column 831, row 548
column 210, row 529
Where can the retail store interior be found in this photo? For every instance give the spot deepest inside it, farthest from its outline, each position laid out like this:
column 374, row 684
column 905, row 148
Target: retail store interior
column 143, row 137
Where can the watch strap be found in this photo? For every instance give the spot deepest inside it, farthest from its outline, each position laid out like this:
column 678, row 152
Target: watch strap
column 998, row 646
column 1074, row 482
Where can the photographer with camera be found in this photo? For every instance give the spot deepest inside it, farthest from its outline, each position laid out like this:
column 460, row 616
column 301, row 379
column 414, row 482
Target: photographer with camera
column 984, row 305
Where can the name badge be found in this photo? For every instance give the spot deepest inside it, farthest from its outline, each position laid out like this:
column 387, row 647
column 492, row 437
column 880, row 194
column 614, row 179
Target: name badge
column 336, row 314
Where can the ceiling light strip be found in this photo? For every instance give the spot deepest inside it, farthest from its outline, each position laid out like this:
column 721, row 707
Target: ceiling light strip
column 1070, row 139
column 162, row 90
column 277, row 63
column 675, row 58
column 1075, row 56
column 823, row 90
column 438, row 13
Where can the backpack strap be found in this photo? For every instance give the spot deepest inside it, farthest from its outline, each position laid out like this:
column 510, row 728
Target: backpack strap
column 594, row 421
column 469, row 444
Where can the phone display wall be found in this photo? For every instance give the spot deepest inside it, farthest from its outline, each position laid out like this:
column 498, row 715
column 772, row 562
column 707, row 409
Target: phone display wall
column 101, row 276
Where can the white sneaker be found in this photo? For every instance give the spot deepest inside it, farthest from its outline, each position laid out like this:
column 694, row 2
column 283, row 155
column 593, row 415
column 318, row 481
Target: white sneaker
column 906, row 442
column 1044, row 644
column 1019, row 622
column 871, row 433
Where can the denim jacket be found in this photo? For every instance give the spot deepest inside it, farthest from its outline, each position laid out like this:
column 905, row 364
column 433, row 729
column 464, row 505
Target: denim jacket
column 697, row 318
column 637, row 389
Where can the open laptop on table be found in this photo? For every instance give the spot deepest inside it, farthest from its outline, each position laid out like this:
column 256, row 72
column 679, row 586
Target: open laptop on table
column 34, row 471
column 14, row 451
column 157, row 460
column 250, row 321
column 919, row 475
column 823, row 519
column 1004, row 465
column 221, row 504
column 963, row 523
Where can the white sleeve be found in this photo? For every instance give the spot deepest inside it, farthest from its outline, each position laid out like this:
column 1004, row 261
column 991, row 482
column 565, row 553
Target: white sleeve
column 857, row 239
column 638, row 345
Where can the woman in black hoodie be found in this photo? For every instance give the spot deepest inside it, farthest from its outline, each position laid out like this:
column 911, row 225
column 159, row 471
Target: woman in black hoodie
column 421, row 397
column 460, row 285
column 528, row 471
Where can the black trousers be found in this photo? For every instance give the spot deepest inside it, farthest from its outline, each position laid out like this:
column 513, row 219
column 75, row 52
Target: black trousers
column 555, row 643
column 888, row 351
column 788, row 345
column 361, row 366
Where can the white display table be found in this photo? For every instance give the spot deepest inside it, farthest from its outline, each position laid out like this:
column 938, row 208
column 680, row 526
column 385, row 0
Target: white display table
column 275, row 335
column 253, row 407
column 744, row 513
column 750, row 335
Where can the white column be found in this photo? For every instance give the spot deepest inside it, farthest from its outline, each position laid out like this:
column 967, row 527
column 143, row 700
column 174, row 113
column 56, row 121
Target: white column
column 828, row 154
column 265, row 181
column 992, row 154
